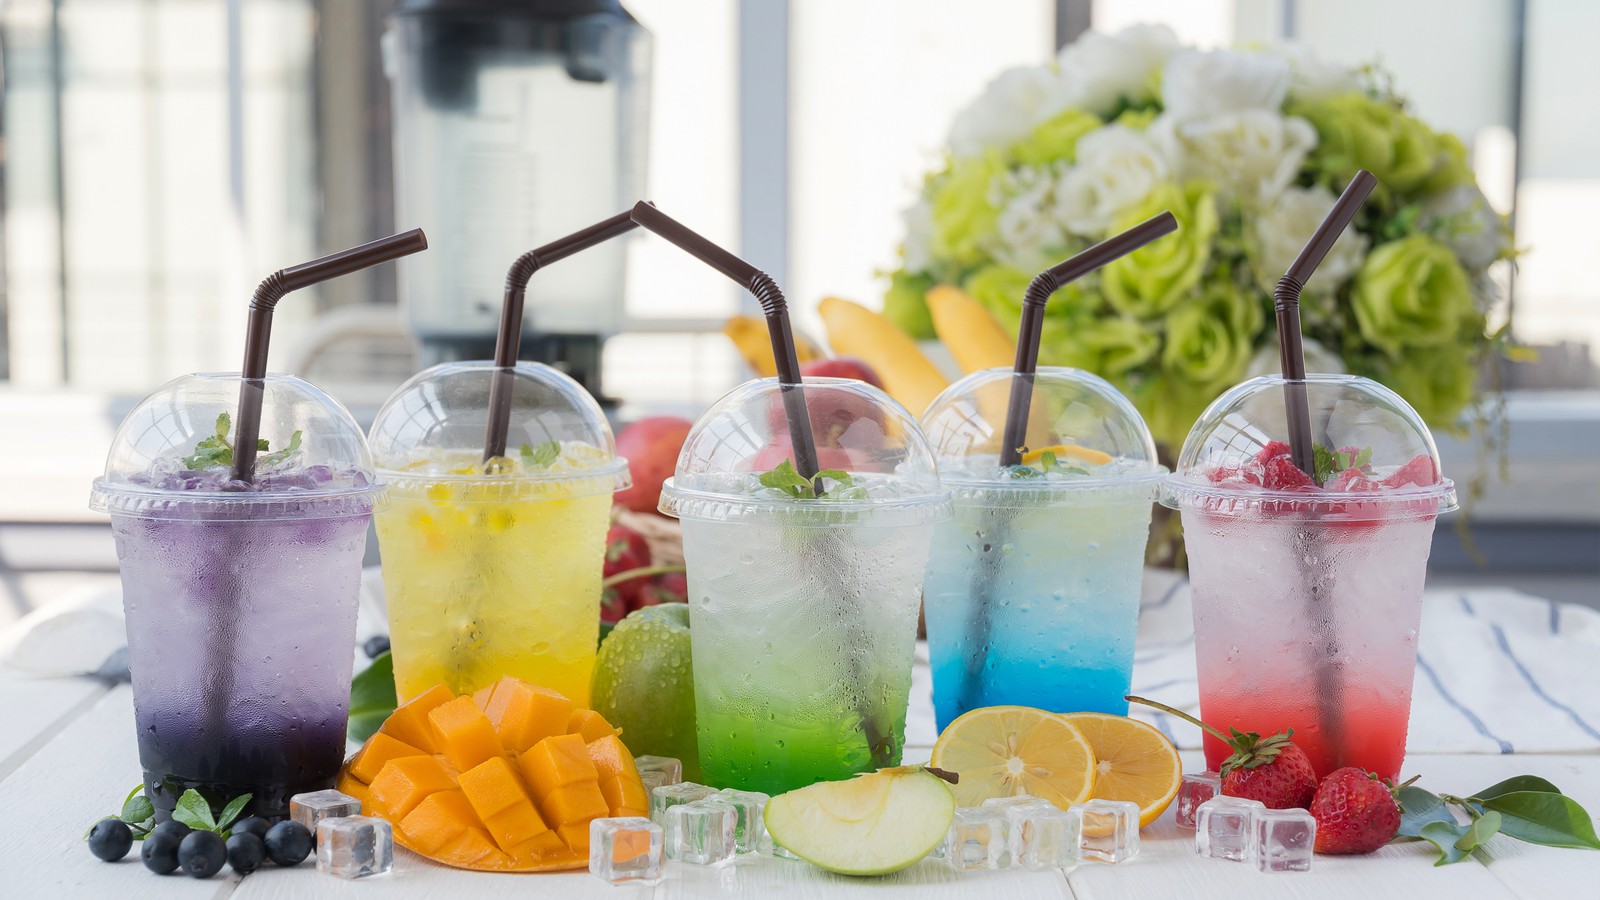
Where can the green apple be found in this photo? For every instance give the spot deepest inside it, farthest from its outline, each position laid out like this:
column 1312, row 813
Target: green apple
column 644, row 684
column 872, row 824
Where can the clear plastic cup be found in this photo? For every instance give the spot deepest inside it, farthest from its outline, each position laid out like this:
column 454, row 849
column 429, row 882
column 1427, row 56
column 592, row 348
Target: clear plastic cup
column 493, row 568
column 803, row 611
column 1308, row 589
column 1033, row 584
column 240, row 597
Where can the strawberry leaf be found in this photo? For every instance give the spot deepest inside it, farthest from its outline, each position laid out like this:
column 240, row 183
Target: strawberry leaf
column 1418, row 808
column 1519, row 783
column 1541, row 817
column 1447, row 837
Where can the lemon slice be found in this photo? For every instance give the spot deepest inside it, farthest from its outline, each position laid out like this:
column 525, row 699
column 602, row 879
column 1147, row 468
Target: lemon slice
column 1133, row 761
column 1071, row 451
column 1003, row 751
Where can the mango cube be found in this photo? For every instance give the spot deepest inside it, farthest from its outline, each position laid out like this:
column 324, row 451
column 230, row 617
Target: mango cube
column 590, row 724
column 403, row 783
column 378, row 751
column 524, row 714
column 463, row 733
column 556, row 762
column 409, row 723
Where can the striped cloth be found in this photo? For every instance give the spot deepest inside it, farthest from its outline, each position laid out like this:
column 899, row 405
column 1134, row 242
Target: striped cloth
column 1498, row 671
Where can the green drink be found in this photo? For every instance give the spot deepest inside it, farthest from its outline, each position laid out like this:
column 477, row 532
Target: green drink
column 803, row 609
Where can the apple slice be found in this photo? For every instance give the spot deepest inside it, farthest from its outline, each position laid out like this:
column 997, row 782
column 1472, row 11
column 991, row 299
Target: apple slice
column 872, row 824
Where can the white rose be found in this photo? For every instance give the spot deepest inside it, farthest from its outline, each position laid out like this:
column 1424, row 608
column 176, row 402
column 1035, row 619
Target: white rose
column 1195, row 85
column 1251, row 154
column 1097, row 71
column 1462, row 219
column 1284, row 227
column 917, row 251
column 1028, row 234
column 1312, row 77
column 1266, row 361
column 1006, row 111
column 1117, row 167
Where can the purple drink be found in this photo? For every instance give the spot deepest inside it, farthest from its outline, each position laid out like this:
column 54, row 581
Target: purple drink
column 240, row 598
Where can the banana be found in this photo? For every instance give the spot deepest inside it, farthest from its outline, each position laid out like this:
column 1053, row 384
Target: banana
column 975, row 339
column 749, row 335
column 908, row 376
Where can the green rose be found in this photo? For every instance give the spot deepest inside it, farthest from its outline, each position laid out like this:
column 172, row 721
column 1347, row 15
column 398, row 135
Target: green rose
column 1360, row 132
column 1056, row 139
column 1450, row 168
column 1136, row 119
column 1210, row 339
column 1438, row 383
column 1411, row 293
column 1108, row 346
column 963, row 216
column 905, row 304
column 1151, row 280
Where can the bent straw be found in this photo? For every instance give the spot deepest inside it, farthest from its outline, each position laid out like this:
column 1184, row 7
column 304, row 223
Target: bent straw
column 776, row 310
column 1286, row 303
column 508, row 341
column 258, row 331
column 1034, row 299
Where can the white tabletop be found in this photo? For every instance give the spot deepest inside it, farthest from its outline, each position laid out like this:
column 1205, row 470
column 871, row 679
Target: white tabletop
column 68, row 756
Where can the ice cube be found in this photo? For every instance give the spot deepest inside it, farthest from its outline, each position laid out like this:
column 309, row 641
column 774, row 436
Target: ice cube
column 354, row 846
column 751, row 827
column 1197, row 788
column 1042, row 837
column 701, row 832
column 625, row 849
column 669, row 795
column 1223, row 827
column 310, row 809
column 656, row 771
column 1108, row 830
column 1283, row 840
column 977, row 840
column 1002, row 804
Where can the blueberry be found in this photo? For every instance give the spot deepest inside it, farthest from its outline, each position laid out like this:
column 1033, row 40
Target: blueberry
column 288, row 843
column 160, row 851
column 246, row 852
column 255, row 825
column 173, row 827
column 201, row 853
column 110, row 839
column 376, row 646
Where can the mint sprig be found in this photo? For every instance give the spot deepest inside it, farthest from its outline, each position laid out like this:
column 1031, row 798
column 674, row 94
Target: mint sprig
column 192, row 810
column 540, row 456
column 783, row 477
column 216, row 450
column 1526, row 807
column 1048, row 462
column 1327, row 463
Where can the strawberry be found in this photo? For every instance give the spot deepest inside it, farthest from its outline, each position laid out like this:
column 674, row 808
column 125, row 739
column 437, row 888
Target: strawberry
column 1272, row 770
column 1271, row 450
column 1281, row 474
column 1355, row 812
column 626, row 549
column 1419, row 471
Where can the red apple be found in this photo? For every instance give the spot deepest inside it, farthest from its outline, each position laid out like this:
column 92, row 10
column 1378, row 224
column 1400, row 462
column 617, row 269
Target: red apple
column 835, row 410
column 841, row 367
column 827, row 457
column 651, row 447
column 626, row 550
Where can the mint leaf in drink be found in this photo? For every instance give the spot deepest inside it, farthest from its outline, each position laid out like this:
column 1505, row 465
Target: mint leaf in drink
column 541, row 456
column 193, row 811
column 372, row 697
column 1326, row 463
column 224, row 426
column 1025, row 472
column 783, row 477
column 1047, row 460
column 273, row 459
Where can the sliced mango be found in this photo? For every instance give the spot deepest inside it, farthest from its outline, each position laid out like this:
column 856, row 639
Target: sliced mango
column 505, row 779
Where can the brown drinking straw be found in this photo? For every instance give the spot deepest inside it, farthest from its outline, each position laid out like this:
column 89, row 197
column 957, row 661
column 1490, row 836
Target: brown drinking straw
column 508, row 341
column 259, row 330
column 1286, row 303
column 776, row 309
column 1034, row 299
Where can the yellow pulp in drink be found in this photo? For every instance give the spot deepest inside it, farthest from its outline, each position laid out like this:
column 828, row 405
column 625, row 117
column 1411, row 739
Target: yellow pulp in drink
column 493, row 575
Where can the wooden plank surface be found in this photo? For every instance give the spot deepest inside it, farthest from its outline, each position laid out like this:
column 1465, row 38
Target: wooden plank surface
column 36, row 709
column 83, row 766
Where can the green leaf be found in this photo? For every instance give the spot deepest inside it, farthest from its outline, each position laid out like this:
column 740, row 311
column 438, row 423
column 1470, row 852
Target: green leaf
column 273, row 459
column 372, row 697
column 783, row 477
column 1323, row 463
column 1025, row 472
column 1479, row 832
column 224, row 426
column 232, row 810
column 1519, row 783
column 193, row 811
column 1362, row 460
column 1542, row 817
column 540, row 457
column 137, row 809
column 1419, row 808
column 1446, row 836
column 209, row 452
column 605, row 631
column 1047, row 460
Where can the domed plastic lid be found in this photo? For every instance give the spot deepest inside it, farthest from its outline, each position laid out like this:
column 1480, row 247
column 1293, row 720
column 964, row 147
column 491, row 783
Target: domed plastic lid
column 432, row 429
column 172, row 456
column 1375, row 459
column 738, row 459
column 1083, row 435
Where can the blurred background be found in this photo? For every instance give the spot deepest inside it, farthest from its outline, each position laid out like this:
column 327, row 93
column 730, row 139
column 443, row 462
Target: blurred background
column 158, row 157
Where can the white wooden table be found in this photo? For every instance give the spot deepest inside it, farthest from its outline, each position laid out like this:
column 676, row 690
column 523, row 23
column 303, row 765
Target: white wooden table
column 67, row 757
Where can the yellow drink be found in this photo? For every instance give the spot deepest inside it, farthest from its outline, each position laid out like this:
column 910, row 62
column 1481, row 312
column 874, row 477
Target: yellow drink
column 491, row 575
